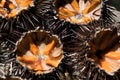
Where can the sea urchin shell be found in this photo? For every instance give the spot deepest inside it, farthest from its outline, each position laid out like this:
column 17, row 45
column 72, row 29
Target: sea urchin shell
column 37, row 54
column 19, row 15
column 39, row 51
column 100, row 54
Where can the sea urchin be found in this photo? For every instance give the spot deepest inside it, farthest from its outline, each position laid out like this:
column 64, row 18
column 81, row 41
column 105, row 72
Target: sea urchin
column 39, row 51
column 100, row 53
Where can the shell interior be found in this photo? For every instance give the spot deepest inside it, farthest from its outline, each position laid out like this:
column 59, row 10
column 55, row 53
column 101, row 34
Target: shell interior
column 79, row 11
column 39, row 51
column 105, row 50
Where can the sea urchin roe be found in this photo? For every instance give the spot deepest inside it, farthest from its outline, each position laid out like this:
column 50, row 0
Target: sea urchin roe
column 111, row 62
column 10, row 8
column 39, row 52
column 105, row 50
column 81, row 11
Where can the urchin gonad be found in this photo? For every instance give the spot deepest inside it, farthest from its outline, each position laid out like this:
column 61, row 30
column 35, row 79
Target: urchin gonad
column 10, row 8
column 105, row 50
column 39, row 51
column 79, row 11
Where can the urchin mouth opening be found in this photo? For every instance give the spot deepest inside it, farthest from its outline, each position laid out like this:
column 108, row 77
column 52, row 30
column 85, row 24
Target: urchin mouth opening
column 39, row 51
column 78, row 11
column 105, row 50
column 11, row 8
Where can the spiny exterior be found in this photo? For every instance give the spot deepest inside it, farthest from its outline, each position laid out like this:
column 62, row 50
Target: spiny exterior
column 13, row 68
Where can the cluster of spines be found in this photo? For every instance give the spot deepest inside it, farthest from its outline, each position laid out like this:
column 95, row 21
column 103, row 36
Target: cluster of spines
column 42, row 16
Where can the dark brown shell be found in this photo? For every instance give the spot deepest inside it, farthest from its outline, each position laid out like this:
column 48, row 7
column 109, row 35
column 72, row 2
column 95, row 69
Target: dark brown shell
column 13, row 67
column 27, row 19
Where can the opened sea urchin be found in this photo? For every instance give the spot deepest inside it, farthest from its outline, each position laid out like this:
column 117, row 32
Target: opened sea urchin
column 100, row 53
column 78, row 11
column 39, row 51
column 11, row 8
column 37, row 54
column 18, row 14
